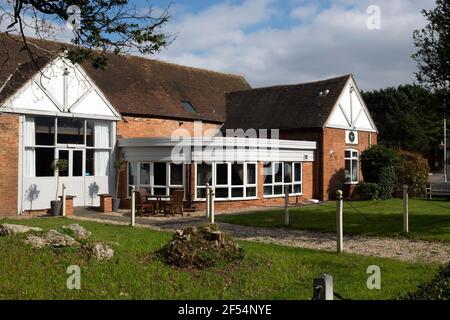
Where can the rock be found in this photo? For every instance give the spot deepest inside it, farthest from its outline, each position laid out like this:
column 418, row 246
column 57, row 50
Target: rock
column 79, row 231
column 52, row 238
column 101, row 252
column 57, row 239
column 12, row 229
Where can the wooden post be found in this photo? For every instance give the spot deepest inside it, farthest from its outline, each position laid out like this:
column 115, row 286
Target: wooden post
column 323, row 287
column 286, row 205
column 212, row 198
column 208, row 207
column 133, row 206
column 405, row 209
column 339, row 221
column 63, row 200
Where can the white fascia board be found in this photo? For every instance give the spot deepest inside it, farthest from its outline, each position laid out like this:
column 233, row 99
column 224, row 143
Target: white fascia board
column 218, row 142
column 58, row 114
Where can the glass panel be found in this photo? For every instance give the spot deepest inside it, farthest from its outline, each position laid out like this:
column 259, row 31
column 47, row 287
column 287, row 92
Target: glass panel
column 268, row 190
column 267, row 171
column 348, row 154
column 89, row 162
column 251, row 192
column 237, row 174
column 77, row 163
column 64, row 155
column 144, row 174
column 90, row 124
column 204, row 174
column 201, row 193
column 298, row 188
column 251, row 173
column 44, row 159
column 159, row 191
column 347, row 170
column 132, row 174
column 297, row 172
column 159, row 172
column 176, row 174
column 278, row 170
column 221, row 192
column 288, row 172
column 278, row 190
column 44, row 131
column 237, row 192
column 222, row 174
column 355, row 154
column 70, row 131
column 354, row 170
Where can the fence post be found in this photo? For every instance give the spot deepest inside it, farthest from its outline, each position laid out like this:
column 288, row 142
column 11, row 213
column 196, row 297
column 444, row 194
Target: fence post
column 207, row 202
column 212, row 198
column 63, row 200
column 339, row 221
column 286, row 205
column 133, row 206
column 405, row 209
column 323, row 287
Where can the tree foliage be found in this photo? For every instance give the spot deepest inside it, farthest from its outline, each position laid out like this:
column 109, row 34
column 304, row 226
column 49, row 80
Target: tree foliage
column 413, row 171
column 408, row 117
column 99, row 26
column 375, row 159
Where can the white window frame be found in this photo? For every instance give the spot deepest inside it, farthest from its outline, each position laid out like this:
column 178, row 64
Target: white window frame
column 152, row 185
column 229, row 185
column 283, row 184
column 351, row 159
column 70, row 147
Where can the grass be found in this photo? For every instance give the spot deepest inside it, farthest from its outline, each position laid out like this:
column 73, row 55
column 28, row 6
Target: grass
column 267, row 272
column 429, row 220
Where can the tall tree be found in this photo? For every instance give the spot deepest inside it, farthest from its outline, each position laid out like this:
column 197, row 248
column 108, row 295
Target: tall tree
column 97, row 25
column 433, row 50
column 407, row 117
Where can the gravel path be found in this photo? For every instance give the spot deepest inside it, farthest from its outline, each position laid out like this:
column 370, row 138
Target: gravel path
column 396, row 248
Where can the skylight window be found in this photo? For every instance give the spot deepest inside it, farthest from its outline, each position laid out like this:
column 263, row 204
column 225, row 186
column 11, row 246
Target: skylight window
column 187, row 106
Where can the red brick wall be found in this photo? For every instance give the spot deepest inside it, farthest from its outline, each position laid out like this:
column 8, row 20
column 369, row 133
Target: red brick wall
column 334, row 164
column 133, row 127
column 328, row 172
column 9, row 164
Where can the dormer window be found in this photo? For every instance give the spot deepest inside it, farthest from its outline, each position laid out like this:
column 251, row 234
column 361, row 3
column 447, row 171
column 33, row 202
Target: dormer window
column 188, row 107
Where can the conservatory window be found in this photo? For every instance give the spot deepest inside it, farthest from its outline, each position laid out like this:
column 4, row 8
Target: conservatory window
column 279, row 175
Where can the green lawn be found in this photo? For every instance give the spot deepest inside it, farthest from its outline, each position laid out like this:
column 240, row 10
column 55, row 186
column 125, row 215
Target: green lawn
column 428, row 219
column 268, row 271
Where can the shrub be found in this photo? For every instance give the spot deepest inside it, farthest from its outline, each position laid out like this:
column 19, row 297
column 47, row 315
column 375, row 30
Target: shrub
column 374, row 159
column 387, row 182
column 436, row 289
column 413, row 171
column 366, row 191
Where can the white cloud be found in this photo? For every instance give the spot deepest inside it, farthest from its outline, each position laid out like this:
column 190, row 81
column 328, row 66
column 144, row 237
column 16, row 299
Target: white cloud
column 334, row 41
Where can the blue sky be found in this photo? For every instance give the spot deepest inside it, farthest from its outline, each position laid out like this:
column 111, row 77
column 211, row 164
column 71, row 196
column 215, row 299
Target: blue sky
column 291, row 41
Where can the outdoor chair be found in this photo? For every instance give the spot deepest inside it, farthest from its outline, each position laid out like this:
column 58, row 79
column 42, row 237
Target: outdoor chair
column 175, row 205
column 142, row 206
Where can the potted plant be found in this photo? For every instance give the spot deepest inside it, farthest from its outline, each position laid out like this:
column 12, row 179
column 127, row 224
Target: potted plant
column 118, row 166
column 58, row 165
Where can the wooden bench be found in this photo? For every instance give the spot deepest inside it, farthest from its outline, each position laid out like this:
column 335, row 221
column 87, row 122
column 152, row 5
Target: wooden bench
column 438, row 189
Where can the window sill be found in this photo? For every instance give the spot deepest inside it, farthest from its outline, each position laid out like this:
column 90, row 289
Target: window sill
column 282, row 196
column 227, row 199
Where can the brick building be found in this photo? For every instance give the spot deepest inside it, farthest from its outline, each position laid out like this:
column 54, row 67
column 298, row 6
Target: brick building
column 330, row 112
column 141, row 110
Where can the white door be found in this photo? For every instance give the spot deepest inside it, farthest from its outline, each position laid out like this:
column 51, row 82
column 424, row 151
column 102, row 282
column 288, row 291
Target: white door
column 73, row 178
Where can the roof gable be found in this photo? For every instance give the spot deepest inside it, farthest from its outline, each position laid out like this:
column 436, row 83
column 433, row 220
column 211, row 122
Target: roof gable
column 48, row 92
column 306, row 105
column 350, row 112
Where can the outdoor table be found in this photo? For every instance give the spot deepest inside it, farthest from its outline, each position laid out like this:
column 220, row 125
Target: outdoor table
column 159, row 201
